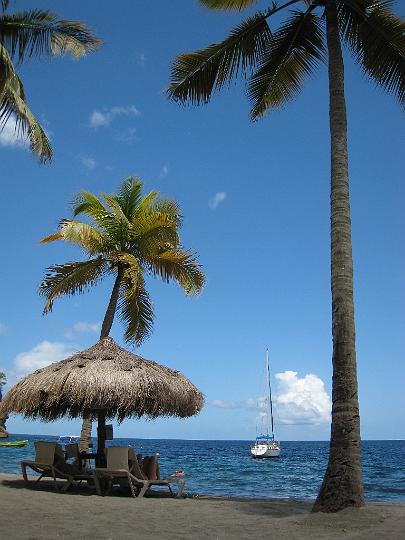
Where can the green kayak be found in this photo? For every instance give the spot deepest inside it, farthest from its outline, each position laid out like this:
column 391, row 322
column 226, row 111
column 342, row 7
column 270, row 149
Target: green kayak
column 14, row 443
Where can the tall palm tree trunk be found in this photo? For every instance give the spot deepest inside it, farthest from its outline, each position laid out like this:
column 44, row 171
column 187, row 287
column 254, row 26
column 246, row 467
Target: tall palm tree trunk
column 85, row 433
column 112, row 305
column 342, row 485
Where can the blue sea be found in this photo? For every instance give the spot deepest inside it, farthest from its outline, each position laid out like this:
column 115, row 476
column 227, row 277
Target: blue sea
column 225, row 468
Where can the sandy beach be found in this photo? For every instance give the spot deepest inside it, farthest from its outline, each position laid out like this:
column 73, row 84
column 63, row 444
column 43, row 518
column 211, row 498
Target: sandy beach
column 41, row 513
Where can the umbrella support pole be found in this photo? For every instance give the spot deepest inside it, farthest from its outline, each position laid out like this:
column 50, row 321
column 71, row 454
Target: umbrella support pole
column 101, row 435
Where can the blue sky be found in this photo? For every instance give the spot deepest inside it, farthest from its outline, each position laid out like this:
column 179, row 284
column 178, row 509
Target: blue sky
column 255, row 197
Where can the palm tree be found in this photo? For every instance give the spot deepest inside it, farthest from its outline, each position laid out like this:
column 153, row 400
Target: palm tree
column 130, row 236
column 276, row 64
column 3, row 381
column 23, row 35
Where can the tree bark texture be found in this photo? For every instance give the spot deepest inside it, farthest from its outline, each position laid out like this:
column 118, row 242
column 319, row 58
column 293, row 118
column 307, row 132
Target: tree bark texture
column 342, row 485
column 112, row 305
column 105, row 331
column 85, row 435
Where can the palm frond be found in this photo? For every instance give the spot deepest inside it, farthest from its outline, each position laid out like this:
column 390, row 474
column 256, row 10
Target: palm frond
column 89, row 204
column 38, row 32
column 376, row 37
column 81, row 234
column 178, row 265
column 169, row 207
column 12, row 103
column 228, row 5
column 145, row 205
column 294, row 52
column 118, row 226
column 70, row 279
column 195, row 76
column 129, row 195
column 152, row 233
column 135, row 307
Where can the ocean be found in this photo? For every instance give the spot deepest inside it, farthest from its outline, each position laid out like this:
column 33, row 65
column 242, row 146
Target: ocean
column 225, row 468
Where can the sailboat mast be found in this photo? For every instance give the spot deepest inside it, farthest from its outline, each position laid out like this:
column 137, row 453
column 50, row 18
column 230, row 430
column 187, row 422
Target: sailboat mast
column 269, row 390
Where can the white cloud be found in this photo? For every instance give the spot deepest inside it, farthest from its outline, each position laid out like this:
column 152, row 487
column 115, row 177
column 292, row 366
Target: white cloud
column 164, row 171
column 82, row 328
column 3, row 328
column 296, row 401
column 106, row 116
column 221, row 404
column 127, row 135
column 217, row 199
column 302, row 401
column 9, row 136
column 88, row 162
column 141, row 59
column 41, row 355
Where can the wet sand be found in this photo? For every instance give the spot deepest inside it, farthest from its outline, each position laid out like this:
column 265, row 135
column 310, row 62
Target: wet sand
column 41, row 513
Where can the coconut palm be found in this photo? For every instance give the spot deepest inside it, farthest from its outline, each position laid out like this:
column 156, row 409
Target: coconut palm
column 23, row 35
column 275, row 64
column 130, row 236
column 3, row 381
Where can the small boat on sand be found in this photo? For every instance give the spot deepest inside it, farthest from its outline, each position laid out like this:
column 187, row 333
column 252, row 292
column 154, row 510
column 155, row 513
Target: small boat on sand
column 14, row 443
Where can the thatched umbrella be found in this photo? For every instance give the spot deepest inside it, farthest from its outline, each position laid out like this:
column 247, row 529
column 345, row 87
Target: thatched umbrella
column 104, row 381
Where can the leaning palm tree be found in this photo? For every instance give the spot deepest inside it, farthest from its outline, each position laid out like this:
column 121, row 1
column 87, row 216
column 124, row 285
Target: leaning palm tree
column 3, row 381
column 130, row 236
column 23, row 35
column 276, row 64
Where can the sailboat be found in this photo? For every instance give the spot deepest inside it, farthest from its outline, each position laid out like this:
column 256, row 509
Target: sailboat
column 265, row 445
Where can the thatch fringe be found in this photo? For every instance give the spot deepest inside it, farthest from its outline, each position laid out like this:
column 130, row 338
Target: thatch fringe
column 103, row 377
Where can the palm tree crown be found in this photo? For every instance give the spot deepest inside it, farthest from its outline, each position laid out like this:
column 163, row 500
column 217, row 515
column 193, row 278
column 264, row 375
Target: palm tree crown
column 130, row 236
column 276, row 62
column 23, row 35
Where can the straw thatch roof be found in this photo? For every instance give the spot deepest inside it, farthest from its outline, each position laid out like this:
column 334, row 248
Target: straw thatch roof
column 103, row 377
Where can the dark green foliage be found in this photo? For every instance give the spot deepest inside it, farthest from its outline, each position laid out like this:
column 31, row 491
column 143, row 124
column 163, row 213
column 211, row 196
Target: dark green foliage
column 276, row 63
column 24, row 35
column 295, row 51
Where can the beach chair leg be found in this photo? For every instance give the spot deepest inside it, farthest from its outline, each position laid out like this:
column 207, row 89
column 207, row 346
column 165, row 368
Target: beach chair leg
column 144, row 489
column 38, row 479
column 68, row 484
column 55, row 481
column 109, row 486
column 24, row 472
column 170, row 489
column 131, row 487
column 181, row 488
column 97, row 484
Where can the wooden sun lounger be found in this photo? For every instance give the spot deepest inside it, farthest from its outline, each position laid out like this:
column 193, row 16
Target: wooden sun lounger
column 44, row 464
column 118, row 459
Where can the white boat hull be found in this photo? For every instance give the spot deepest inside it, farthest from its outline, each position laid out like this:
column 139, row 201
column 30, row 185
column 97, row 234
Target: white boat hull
column 265, row 450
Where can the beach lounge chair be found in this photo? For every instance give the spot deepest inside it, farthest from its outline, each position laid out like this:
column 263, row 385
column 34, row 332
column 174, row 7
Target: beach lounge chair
column 50, row 462
column 123, row 466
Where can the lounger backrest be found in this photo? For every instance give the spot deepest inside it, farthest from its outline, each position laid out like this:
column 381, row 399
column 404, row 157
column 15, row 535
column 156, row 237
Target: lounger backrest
column 45, row 452
column 117, row 457
column 72, row 450
column 134, row 465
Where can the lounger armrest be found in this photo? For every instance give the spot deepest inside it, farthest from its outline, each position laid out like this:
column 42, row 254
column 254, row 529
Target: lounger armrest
column 104, row 470
column 37, row 464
